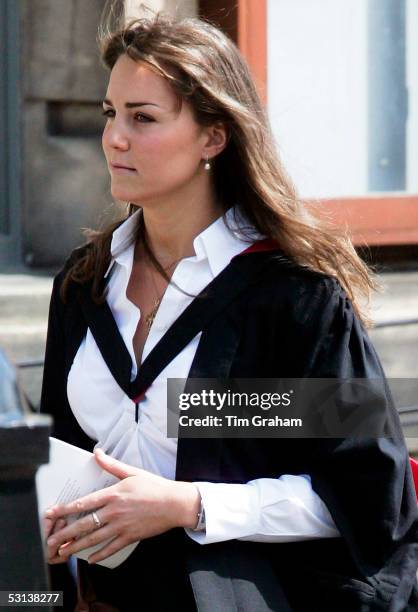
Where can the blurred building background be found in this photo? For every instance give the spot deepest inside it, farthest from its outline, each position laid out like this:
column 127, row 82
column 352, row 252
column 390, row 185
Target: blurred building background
column 340, row 82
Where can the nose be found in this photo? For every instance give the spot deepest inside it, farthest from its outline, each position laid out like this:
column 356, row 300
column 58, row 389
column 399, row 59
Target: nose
column 115, row 137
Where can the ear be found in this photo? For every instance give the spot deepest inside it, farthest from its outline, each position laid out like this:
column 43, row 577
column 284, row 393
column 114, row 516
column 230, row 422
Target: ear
column 217, row 138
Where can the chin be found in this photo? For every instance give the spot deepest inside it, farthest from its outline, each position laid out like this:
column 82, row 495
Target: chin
column 123, row 195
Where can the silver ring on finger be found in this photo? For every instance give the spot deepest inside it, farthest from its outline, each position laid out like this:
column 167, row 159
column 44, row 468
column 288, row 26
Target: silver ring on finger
column 97, row 522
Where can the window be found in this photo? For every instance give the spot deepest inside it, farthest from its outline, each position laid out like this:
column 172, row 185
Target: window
column 343, row 94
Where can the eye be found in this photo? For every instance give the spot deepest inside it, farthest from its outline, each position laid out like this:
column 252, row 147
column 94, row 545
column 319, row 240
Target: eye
column 108, row 113
column 139, row 117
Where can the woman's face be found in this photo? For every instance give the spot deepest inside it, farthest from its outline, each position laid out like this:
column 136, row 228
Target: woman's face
column 160, row 149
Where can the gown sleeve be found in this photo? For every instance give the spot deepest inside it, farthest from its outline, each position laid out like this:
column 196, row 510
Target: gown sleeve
column 61, row 345
column 366, row 483
column 53, row 382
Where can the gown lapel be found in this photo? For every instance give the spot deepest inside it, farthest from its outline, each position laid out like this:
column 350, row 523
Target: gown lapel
column 198, row 315
column 105, row 331
column 213, row 358
column 215, row 297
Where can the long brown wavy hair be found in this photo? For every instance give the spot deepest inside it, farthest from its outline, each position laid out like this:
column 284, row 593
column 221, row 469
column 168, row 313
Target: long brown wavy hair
column 204, row 67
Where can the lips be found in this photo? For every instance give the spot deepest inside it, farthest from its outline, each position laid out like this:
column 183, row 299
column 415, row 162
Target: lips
column 122, row 167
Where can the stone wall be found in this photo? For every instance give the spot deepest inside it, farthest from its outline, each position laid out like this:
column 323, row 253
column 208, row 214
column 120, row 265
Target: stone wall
column 64, row 174
column 65, row 178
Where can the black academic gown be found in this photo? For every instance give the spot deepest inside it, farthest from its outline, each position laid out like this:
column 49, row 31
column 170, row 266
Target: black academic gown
column 267, row 318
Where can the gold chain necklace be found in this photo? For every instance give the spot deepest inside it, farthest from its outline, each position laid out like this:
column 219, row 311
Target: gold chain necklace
column 149, row 318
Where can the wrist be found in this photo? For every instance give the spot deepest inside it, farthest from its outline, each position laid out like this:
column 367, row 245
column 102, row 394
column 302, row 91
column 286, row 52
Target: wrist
column 189, row 501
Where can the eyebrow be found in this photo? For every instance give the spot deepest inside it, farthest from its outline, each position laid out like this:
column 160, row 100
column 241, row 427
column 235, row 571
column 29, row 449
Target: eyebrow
column 131, row 104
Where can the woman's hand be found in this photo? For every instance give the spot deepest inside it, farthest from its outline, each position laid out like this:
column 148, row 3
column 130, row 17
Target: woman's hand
column 141, row 505
column 50, row 527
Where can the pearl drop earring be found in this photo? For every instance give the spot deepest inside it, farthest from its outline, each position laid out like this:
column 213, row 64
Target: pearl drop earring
column 207, row 164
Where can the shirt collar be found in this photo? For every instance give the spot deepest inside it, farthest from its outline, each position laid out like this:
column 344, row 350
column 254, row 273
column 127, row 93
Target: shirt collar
column 224, row 239
column 218, row 243
column 121, row 239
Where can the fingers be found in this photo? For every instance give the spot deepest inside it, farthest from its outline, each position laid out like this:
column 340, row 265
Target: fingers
column 51, row 525
column 114, row 546
column 100, row 536
column 117, row 468
column 52, row 551
column 83, row 504
column 75, row 531
column 48, row 525
column 98, row 498
column 56, row 560
column 59, row 524
column 61, row 558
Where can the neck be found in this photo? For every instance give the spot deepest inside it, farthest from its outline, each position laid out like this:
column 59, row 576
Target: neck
column 172, row 226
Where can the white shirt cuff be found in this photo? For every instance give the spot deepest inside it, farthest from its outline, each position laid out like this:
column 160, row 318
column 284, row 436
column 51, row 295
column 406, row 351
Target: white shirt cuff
column 264, row 510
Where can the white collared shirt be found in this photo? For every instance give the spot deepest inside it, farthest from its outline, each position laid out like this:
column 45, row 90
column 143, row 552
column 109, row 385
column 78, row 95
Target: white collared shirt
column 267, row 509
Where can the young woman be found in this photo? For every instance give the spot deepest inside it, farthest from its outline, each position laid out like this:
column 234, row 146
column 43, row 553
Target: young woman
column 217, row 271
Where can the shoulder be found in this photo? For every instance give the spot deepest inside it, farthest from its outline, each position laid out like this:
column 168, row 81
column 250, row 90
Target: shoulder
column 76, row 255
column 79, row 253
column 287, row 279
column 297, row 297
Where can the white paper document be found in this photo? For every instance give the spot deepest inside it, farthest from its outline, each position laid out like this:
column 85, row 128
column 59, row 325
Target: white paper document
column 72, row 473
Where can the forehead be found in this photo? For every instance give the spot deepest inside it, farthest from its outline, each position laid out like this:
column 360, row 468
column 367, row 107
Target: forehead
column 130, row 79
